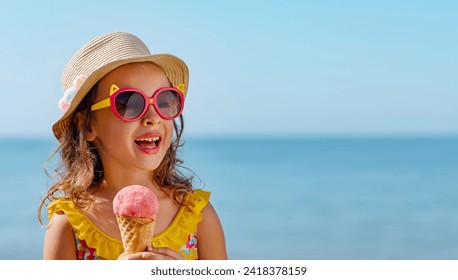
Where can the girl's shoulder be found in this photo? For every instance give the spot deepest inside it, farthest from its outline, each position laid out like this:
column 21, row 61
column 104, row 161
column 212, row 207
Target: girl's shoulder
column 62, row 206
column 197, row 200
column 84, row 229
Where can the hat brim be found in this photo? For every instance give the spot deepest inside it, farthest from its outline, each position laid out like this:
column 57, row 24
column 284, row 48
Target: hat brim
column 174, row 68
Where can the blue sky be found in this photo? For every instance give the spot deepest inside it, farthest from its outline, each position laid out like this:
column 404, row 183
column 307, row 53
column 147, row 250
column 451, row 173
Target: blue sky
column 257, row 67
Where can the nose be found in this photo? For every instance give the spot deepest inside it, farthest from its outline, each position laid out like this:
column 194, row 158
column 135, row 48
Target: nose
column 151, row 117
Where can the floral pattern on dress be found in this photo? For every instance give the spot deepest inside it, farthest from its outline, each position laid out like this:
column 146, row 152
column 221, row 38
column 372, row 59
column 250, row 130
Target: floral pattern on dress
column 85, row 252
column 189, row 250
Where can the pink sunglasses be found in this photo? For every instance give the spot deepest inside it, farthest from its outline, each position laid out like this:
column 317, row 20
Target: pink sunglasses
column 130, row 104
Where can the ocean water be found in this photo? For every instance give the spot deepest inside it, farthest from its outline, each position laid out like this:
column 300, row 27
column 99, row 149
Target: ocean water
column 300, row 198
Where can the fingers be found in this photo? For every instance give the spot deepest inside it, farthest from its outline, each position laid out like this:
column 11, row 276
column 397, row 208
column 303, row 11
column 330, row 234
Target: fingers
column 168, row 253
column 125, row 256
column 153, row 254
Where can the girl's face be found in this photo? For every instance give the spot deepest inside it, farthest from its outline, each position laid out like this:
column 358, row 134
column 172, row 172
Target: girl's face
column 131, row 146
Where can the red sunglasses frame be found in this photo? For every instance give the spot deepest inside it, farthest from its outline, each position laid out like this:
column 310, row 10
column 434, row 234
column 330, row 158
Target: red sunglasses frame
column 110, row 102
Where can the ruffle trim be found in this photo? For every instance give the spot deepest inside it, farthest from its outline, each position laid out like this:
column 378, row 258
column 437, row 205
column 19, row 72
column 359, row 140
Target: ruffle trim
column 185, row 222
column 105, row 246
column 174, row 236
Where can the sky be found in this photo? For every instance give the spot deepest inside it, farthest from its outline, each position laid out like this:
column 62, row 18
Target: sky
column 269, row 68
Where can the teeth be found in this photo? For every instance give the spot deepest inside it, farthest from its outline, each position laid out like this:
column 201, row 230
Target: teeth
column 148, row 139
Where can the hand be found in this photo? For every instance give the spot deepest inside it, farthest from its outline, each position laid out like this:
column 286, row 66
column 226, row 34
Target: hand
column 151, row 253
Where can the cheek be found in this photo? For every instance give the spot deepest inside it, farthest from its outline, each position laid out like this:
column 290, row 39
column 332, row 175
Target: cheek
column 168, row 133
column 109, row 129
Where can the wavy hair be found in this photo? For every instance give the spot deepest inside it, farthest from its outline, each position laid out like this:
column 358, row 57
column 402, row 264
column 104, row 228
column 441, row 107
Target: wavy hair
column 80, row 171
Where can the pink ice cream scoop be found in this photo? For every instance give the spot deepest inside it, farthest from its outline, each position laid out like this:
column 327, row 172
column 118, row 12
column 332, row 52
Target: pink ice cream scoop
column 136, row 201
column 136, row 208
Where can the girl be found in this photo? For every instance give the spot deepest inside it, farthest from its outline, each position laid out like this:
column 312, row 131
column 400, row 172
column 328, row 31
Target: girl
column 122, row 126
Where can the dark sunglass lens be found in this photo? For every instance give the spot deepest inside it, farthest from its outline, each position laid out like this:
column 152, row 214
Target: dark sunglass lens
column 130, row 104
column 169, row 103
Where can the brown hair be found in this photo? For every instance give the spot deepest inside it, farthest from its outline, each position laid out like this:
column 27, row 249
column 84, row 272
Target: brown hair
column 80, row 171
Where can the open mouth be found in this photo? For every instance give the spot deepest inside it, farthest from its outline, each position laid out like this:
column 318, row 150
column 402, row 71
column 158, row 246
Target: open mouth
column 148, row 143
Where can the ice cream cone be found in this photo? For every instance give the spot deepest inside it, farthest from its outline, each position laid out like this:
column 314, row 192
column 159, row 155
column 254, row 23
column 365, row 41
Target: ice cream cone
column 136, row 233
column 136, row 208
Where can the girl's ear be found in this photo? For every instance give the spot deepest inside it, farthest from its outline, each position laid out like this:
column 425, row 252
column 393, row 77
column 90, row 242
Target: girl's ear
column 80, row 120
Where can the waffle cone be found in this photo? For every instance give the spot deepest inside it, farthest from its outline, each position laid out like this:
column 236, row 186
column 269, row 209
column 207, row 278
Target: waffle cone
column 136, row 233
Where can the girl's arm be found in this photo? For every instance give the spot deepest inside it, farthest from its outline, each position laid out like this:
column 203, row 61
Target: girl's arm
column 59, row 241
column 211, row 243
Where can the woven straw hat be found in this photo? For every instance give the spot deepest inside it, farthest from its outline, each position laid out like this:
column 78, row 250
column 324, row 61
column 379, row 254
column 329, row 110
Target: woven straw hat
column 102, row 55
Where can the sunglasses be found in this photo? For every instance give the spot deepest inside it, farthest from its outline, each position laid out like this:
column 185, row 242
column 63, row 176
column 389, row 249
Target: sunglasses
column 130, row 104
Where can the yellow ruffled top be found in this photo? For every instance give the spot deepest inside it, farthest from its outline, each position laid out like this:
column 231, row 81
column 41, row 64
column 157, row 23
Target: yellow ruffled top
column 92, row 243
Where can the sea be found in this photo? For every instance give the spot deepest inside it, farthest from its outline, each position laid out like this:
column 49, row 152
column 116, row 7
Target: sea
column 285, row 198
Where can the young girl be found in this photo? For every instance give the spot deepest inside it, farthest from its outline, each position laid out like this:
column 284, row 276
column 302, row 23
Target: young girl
column 121, row 126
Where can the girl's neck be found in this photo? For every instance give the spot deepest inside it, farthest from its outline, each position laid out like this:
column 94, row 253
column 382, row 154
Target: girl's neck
column 118, row 180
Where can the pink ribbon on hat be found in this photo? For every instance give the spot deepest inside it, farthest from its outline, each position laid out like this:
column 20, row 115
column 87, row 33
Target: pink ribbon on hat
column 69, row 94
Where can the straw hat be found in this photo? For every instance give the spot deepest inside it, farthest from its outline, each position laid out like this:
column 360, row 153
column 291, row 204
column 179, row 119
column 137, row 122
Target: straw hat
column 102, row 55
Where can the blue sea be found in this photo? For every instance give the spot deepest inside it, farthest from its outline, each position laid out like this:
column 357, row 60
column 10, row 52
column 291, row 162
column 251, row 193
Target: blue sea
column 313, row 198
